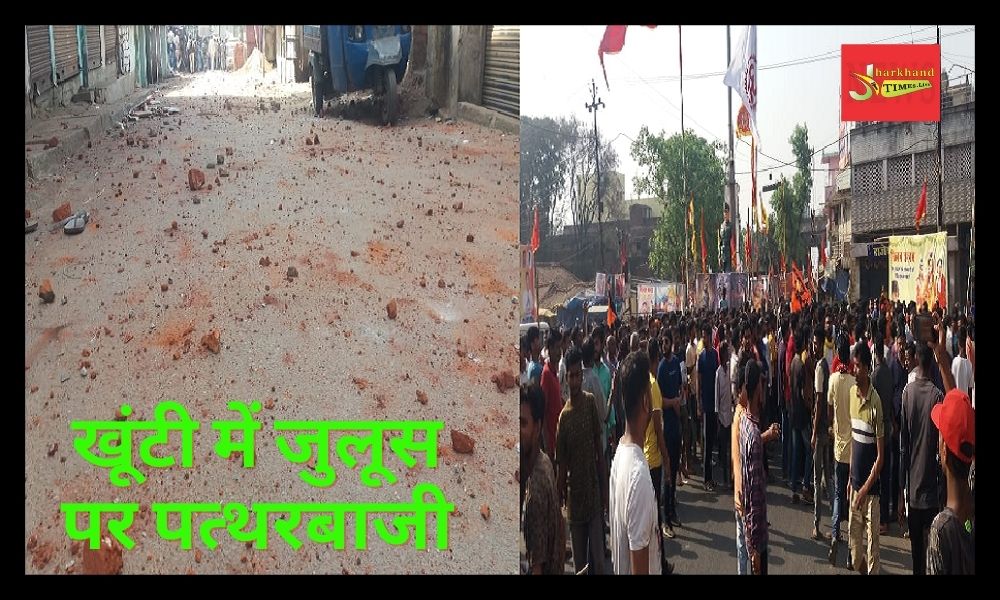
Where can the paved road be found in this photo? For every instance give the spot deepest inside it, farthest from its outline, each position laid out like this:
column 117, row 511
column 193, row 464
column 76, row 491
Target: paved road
column 365, row 214
column 705, row 544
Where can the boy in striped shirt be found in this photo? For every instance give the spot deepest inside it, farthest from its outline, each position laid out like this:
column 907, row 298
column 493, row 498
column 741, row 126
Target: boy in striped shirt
column 867, row 456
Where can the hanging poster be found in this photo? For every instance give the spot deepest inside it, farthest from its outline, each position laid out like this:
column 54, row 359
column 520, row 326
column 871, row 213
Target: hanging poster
column 918, row 269
column 529, row 305
column 644, row 293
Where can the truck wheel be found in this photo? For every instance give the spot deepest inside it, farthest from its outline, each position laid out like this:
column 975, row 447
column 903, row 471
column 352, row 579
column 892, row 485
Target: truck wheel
column 390, row 102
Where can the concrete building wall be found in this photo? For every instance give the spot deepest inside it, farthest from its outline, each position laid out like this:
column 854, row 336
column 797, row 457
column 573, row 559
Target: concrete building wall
column 105, row 81
column 438, row 65
column 471, row 54
column 582, row 255
column 453, row 74
column 892, row 160
column 418, row 47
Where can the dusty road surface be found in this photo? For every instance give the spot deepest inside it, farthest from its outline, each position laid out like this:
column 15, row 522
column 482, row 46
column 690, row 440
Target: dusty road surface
column 422, row 214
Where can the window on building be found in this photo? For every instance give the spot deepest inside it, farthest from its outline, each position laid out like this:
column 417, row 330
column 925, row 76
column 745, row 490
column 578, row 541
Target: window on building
column 900, row 172
column 958, row 162
column 868, row 178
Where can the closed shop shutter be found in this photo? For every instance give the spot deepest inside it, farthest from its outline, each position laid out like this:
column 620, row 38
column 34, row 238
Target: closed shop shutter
column 111, row 45
column 501, row 76
column 39, row 58
column 67, row 51
column 93, row 46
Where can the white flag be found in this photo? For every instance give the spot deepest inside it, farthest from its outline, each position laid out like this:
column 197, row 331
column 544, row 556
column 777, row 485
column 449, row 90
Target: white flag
column 742, row 75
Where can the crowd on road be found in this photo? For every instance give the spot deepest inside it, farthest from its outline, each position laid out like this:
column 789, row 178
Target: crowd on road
column 873, row 407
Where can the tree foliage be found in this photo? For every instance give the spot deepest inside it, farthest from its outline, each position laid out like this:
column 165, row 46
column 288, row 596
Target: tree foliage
column 582, row 171
column 790, row 202
column 557, row 174
column 662, row 176
column 545, row 143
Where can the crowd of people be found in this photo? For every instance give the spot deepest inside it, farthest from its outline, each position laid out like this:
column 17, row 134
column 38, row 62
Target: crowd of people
column 870, row 408
column 194, row 53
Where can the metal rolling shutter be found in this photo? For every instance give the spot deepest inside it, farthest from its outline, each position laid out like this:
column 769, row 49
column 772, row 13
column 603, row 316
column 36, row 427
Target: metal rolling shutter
column 39, row 59
column 501, row 76
column 111, row 46
column 67, row 51
column 93, row 46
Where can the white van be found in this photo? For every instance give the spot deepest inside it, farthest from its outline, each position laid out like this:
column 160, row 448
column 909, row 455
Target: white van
column 543, row 327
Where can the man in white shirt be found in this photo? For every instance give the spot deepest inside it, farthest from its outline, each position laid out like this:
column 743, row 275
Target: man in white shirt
column 689, row 407
column 635, row 549
column 724, row 410
column 592, row 384
column 961, row 366
column 563, row 383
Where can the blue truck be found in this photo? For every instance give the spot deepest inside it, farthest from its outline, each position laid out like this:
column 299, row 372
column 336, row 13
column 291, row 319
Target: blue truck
column 349, row 58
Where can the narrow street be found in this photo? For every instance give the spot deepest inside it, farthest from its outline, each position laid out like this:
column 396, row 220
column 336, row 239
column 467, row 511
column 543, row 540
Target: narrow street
column 705, row 544
column 305, row 231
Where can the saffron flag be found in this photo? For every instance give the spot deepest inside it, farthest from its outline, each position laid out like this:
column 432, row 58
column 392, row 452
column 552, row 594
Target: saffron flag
column 763, row 214
column 742, row 74
column 704, row 250
column 612, row 43
column 801, row 297
column 535, row 233
column 612, row 317
column 922, row 205
column 748, row 245
column 753, row 179
column 691, row 227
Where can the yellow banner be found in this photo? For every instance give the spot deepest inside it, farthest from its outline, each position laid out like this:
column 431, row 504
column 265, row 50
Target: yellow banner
column 529, row 304
column 918, row 269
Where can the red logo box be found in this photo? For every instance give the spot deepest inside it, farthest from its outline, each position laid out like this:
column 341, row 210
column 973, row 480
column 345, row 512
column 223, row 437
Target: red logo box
column 890, row 82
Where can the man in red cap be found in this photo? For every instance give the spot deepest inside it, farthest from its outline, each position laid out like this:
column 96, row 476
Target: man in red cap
column 951, row 545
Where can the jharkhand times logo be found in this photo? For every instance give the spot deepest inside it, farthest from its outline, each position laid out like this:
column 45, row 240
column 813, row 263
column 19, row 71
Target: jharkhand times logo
column 892, row 88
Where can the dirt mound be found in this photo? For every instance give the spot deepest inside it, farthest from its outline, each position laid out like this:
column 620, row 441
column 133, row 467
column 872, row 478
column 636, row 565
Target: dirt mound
column 256, row 63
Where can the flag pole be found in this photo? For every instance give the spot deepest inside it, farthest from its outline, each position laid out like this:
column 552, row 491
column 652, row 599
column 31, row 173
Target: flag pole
column 534, row 267
column 734, row 209
column 684, row 194
column 940, row 150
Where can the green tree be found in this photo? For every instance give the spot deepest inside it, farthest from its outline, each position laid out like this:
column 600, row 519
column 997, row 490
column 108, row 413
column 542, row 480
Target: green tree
column 545, row 144
column 581, row 172
column 662, row 176
column 790, row 202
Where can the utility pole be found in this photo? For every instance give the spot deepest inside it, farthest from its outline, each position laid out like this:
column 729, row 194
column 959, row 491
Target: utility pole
column 684, row 180
column 735, row 208
column 595, row 104
column 940, row 149
column 784, row 223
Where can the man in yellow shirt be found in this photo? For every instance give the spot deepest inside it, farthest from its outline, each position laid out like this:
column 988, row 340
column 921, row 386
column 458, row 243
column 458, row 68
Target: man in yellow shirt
column 867, row 458
column 839, row 401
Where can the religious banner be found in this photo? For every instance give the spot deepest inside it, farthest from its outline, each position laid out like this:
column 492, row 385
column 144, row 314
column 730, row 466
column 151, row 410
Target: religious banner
column 601, row 285
column 644, row 293
column 758, row 291
column 711, row 288
column 918, row 269
column 675, row 297
column 529, row 304
column 620, row 286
